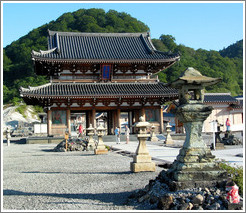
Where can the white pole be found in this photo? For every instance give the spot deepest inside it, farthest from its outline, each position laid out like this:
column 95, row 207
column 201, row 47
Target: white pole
column 214, row 134
column 214, row 127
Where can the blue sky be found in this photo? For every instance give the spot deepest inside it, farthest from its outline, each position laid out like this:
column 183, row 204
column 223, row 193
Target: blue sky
column 210, row 26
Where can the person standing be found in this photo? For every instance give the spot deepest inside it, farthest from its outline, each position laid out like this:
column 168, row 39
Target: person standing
column 127, row 133
column 117, row 135
column 80, row 130
column 228, row 125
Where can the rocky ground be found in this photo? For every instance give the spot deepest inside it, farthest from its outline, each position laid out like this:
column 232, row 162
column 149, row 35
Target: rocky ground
column 158, row 196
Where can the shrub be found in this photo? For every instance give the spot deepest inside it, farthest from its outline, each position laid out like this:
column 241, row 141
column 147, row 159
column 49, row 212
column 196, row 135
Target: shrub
column 22, row 109
column 16, row 101
column 38, row 109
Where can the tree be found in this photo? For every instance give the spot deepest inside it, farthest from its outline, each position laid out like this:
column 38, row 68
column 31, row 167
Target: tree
column 168, row 41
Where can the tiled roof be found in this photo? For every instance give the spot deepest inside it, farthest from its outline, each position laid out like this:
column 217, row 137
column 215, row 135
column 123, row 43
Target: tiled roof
column 239, row 105
column 99, row 90
column 102, row 48
column 219, row 98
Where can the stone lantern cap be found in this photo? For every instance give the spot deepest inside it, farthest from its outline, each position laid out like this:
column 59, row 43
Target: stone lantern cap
column 142, row 123
column 168, row 125
column 191, row 86
column 192, row 76
column 90, row 127
column 100, row 128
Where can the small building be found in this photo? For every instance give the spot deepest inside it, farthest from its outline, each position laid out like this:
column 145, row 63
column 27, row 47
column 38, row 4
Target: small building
column 225, row 106
column 100, row 72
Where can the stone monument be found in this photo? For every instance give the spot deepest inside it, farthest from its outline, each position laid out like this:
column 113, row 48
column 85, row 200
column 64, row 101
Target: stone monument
column 195, row 166
column 91, row 142
column 142, row 160
column 100, row 147
column 169, row 140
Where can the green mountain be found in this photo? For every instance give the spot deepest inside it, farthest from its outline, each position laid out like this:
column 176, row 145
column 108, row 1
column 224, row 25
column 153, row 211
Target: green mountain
column 233, row 51
column 211, row 63
column 18, row 67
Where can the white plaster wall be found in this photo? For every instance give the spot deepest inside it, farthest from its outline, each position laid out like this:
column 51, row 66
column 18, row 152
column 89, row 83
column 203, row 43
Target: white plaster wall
column 221, row 114
column 40, row 128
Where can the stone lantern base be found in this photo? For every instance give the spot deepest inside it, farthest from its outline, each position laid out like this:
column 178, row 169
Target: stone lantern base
column 169, row 140
column 100, row 151
column 142, row 163
column 153, row 138
column 219, row 180
column 100, row 148
column 194, row 167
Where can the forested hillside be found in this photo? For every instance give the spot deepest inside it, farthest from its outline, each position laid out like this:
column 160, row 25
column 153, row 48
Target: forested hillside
column 234, row 50
column 210, row 63
column 18, row 67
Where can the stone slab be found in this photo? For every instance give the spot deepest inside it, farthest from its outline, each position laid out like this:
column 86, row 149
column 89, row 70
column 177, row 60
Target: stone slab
column 142, row 167
column 100, row 151
column 43, row 140
column 188, row 184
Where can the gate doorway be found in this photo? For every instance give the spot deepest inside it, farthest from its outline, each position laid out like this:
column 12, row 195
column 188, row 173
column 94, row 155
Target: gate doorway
column 77, row 118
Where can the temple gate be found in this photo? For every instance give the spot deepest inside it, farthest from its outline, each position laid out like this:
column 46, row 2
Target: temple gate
column 100, row 72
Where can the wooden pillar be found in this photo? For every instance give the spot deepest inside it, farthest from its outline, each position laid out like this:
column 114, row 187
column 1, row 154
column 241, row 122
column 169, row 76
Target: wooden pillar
column 93, row 117
column 143, row 113
column 114, row 118
column 118, row 119
column 69, row 121
column 130, row 119
column 110, row 123
column 49, row 122
column 161, row 121
column 87, row 119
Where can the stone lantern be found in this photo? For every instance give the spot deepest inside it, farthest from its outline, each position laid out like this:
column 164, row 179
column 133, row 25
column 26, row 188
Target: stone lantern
column 100, row 147
column 169, row 140
column 195, row 166
column 153, row 135
column 8, row 136
column 91, row 143
column 142, row 160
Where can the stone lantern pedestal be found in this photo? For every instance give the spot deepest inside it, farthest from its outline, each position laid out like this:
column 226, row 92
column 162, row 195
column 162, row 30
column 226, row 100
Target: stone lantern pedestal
column 195, row 166
column 153, row 135
column 100, row 148
column 169, row 140
column 142, row 160
column 91, row 142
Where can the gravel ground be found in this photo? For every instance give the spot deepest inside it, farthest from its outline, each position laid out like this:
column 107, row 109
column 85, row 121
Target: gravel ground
column 34, row 178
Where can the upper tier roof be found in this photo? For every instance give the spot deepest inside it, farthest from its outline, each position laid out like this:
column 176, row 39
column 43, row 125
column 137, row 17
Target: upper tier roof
column 102, row 48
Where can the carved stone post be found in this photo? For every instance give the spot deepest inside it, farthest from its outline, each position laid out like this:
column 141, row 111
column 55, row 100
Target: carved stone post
column 100, row 147
column 91, row 143
column 142, row 160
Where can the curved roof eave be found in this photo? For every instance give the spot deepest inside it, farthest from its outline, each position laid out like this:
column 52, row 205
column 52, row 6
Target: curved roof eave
column 40, row 58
